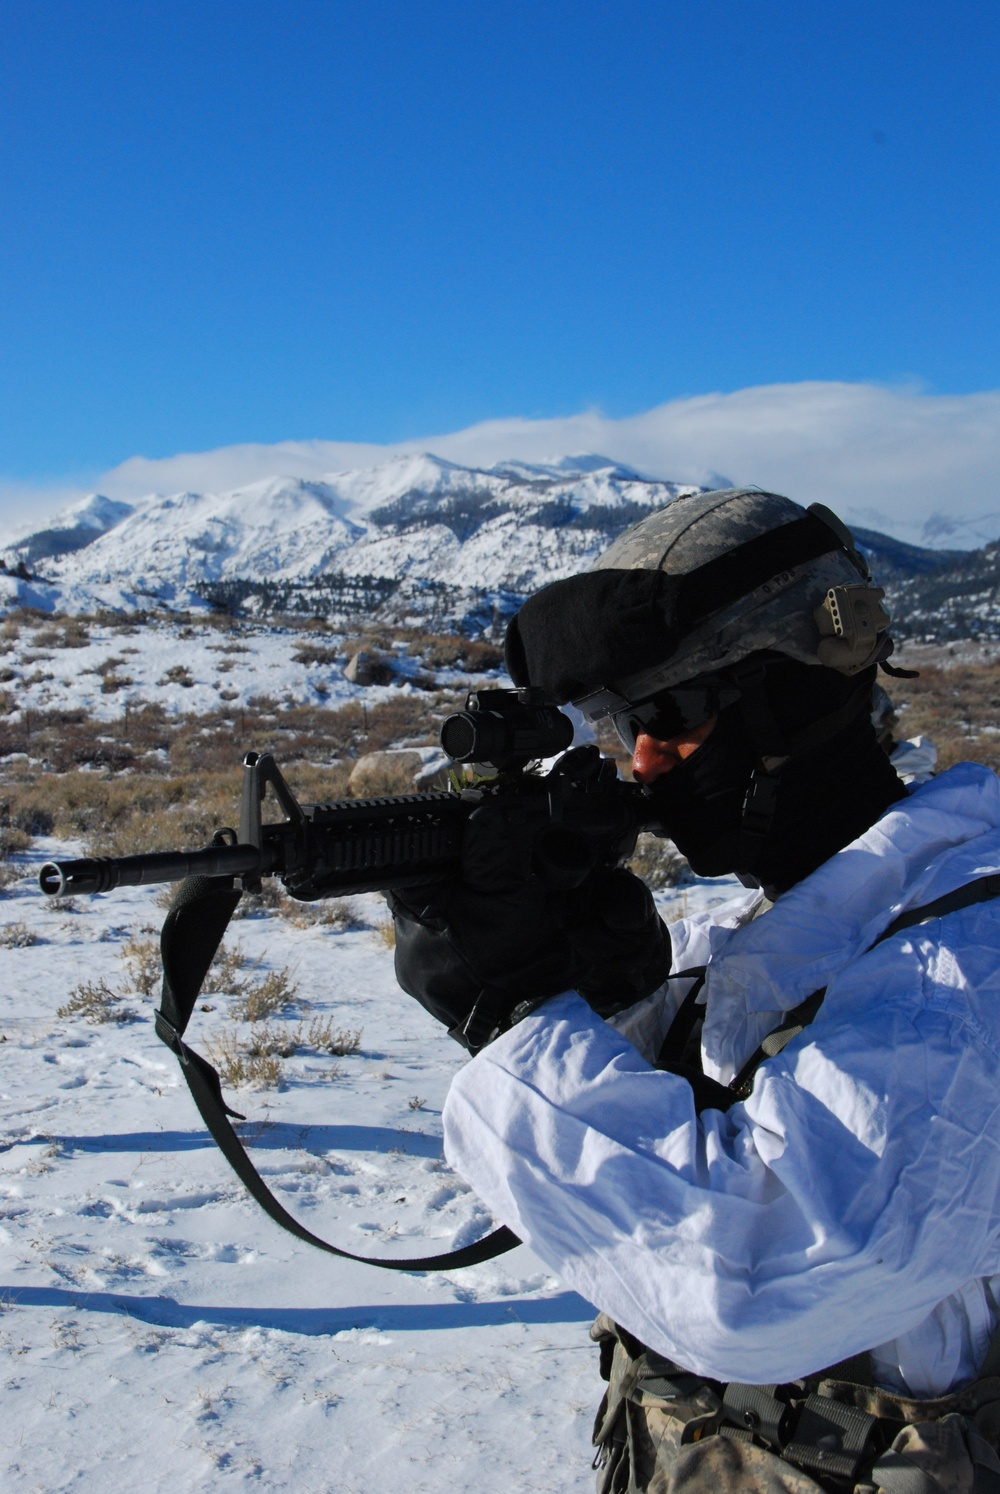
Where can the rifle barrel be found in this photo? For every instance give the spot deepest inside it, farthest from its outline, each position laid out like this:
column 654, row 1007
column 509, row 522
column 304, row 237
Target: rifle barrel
column 104, row 873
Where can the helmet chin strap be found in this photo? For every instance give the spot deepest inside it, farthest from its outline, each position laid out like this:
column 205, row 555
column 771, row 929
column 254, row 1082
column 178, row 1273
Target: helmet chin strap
column 773, row 748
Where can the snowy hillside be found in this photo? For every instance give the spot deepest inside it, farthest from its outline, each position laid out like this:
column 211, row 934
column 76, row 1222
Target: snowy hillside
column 441, row 535
column 414, row 540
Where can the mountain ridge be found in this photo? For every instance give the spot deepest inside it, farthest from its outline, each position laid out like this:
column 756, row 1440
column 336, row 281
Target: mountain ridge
column 418, row 537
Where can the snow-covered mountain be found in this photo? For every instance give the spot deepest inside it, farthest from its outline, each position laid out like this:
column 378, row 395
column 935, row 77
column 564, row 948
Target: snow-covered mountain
column 416, row 533
column 415, row 538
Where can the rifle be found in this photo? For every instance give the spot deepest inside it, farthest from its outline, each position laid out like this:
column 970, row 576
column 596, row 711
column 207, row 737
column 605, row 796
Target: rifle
column 566, row 822
column 577, row 815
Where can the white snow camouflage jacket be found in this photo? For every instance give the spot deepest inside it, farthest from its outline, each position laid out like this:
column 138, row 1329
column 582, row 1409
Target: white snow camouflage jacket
column 854, row 1199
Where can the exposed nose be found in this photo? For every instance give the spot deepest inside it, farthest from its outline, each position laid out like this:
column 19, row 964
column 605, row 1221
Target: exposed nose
column 654, row 756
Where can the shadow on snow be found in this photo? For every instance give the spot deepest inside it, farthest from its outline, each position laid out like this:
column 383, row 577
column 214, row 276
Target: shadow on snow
column 400, row 1317
column 276, row 1136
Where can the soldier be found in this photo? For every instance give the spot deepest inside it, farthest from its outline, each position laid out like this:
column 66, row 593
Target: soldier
column 766, row 1142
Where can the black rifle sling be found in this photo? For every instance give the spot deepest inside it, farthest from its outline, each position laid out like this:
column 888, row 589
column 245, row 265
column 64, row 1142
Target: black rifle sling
column 979, row 891
column 192, row 932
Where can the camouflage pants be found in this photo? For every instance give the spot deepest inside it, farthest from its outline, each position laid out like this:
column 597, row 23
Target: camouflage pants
column 660, row 1430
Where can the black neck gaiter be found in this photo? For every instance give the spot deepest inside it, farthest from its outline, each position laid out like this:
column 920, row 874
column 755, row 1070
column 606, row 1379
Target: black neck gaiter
column 825, row 799
column 700, row 802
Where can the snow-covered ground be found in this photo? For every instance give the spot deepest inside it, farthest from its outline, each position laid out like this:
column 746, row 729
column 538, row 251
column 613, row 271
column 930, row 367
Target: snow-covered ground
column 195, row 668
column 160, row 1331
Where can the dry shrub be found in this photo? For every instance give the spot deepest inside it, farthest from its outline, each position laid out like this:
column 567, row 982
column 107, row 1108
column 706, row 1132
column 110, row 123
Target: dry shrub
column 239, row 1068
column 75, row 633
column 123, row 817
column 316, row 654
column 956, row 705
column 66, row 632
column 108, row 665
column 195, row 759
column 255, row 1059
column 265, row 1041
column 261, row 904
column 385, row 932
column 96, row 1002
column 12, row 841
column 61, row 905
column 17, row 935
column 22, row 809
column 143, row 966
column 226, row 971
column 325, row 1038
column 453, row 651
column 178, row 674
column 327, row 914
column 8, row 875
column 265, row 997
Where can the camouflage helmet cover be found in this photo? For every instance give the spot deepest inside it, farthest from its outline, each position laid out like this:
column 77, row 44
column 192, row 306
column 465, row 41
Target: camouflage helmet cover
column 825, row 610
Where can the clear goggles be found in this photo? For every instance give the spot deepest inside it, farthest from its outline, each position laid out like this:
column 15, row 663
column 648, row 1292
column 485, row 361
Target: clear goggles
column 667, row 714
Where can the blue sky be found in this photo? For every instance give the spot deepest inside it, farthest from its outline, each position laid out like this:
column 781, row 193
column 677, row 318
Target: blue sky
column 225, row 222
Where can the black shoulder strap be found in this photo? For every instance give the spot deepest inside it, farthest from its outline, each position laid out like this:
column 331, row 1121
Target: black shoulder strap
column 192, row 932
column 979, row 891
column 680, row 1051
column 672, row 1050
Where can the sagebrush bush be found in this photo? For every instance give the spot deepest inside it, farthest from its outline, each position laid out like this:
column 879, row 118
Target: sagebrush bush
column 143, row 966
column 270, row 898
column 385, row 932
column 328, row 913
column 265, row 997
column 227, row 970
column 96, row 1002
column 325, row 1038
column 178, row 674
column 12, row 840
column 17, row 935
column 312, row 654
column 956, row 705
column 238, row 1068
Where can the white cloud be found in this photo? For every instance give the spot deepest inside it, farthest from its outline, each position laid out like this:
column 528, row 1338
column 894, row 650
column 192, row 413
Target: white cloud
column 922, row 466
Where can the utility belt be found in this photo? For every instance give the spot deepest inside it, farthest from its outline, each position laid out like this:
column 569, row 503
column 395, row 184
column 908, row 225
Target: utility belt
column 662, row 1430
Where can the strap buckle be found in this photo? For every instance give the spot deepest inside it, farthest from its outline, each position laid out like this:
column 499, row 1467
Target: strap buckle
column 757, row 1410
column 831, row 1437
column 169, row 1034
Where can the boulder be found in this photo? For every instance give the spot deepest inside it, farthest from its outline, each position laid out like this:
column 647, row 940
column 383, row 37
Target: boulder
column 370, row 667
column 398, row 770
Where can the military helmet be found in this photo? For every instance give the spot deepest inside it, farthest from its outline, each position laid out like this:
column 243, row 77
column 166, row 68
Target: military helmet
column 694, row 589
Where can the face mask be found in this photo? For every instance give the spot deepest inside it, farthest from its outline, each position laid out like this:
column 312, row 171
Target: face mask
column 700, row 802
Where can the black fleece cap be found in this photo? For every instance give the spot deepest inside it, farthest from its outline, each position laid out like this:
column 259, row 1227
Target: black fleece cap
column 576, row 635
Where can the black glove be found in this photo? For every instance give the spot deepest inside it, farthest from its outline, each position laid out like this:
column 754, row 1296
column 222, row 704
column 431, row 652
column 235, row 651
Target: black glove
column 483, row 951
column 620, row 942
